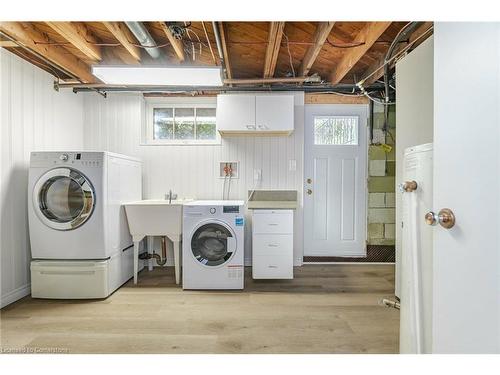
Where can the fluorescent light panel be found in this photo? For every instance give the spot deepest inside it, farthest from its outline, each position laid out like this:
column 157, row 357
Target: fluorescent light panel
column 157, row 75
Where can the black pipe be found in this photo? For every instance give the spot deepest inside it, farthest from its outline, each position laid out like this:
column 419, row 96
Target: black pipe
column 344, row 89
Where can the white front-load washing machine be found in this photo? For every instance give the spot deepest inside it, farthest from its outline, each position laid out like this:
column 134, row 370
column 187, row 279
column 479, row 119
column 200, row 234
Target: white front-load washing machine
column 80, row 243
column 213, row 245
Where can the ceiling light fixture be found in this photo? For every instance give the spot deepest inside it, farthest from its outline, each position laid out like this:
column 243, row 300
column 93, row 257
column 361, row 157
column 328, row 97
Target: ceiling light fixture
column 159, row 75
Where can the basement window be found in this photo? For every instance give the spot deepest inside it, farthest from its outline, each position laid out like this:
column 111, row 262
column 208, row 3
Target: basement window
column 336, row 130
column 181, row 124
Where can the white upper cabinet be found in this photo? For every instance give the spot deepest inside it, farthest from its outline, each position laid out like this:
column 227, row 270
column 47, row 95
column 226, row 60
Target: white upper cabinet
column 235, row 113
column 274, row 113
column 251, row 114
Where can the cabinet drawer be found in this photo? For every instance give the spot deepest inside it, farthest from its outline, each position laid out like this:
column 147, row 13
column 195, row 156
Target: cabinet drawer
column 277, row 223
column 272, row 244
column 272, row 267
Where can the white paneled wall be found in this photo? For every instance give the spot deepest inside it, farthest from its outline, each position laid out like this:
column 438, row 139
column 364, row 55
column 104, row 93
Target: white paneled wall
column 114, row 124
column 33, row 117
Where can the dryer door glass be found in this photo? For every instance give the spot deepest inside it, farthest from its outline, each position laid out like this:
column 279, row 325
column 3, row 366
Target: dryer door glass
column 64, row 197
column 211, row 244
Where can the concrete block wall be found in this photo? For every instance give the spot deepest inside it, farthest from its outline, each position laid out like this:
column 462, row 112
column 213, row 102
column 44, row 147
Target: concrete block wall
column 381, row 181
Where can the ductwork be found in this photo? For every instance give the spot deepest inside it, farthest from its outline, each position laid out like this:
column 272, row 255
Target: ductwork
column 144, row 38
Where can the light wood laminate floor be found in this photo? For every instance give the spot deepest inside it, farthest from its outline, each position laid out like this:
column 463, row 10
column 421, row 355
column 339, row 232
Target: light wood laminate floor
column 325, row 309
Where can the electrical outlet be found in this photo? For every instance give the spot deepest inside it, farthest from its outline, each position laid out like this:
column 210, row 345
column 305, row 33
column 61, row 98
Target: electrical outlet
column 257, row 174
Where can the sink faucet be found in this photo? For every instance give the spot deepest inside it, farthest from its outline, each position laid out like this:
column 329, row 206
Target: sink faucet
column 170, row 196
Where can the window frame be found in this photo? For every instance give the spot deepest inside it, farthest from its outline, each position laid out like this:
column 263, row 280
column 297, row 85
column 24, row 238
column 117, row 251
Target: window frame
column 335, row 144
column 148, row 131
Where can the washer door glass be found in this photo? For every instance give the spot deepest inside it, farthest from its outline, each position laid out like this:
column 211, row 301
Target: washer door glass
column 65, row 198
column 213, row 244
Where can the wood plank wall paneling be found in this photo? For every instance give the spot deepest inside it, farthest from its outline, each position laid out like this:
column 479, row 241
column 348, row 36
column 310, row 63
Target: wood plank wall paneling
column 115, row 123
column 33, row 117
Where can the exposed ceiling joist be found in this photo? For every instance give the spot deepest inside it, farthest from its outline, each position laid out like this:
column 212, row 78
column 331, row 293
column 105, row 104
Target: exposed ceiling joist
column 8, row 44
column 27, row 35
column 368, row 35
column 376, row 70
column 223, row 34
column 79, row 36
column 176, row 43
column 121, row 32
column 273, row 47
column 321, row 34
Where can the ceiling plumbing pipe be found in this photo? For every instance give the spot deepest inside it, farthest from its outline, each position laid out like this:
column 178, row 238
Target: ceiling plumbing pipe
column 144, row 38
column 342, row 89
column 218, row 42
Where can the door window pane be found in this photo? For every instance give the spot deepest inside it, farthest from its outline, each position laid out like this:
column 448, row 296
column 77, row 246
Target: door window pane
column 184, row 123
column 336, row 130
column 209, row 244
column 205, row 123
column 163, row 123
column 61, row 199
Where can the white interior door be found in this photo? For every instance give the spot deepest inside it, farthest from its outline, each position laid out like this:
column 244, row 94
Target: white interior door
column 335, row 180
column 466, row 260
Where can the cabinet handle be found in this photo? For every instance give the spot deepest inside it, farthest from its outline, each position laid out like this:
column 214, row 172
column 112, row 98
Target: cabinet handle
column 272, row 245
column 262, row 127
column 273, row 224
column 250, row 127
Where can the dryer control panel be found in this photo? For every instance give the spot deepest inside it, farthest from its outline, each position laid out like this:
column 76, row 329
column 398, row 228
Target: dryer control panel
column 72, row 159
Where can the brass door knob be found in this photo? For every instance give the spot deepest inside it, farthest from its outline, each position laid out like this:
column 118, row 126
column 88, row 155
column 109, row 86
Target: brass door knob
column 445, row 218
column 309, row 191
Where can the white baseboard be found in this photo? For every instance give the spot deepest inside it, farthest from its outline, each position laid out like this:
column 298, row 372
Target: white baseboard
column 15, row 295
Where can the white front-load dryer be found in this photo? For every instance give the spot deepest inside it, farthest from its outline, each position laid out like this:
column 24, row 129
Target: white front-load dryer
column 80, row 243
column 213, row 245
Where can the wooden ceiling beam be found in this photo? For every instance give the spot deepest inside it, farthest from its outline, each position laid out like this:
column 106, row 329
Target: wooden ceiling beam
column 79, row 36
column 225, row 51
column 376, row 70
column 273, row 47
column 321, row 34
column 177, row 44
column 27, row 35
column 368, row 35
column 121, row 32
column 8, row 44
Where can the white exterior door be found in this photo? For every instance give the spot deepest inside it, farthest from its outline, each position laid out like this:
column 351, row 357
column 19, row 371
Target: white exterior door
column 335, row 175
column 466, row 293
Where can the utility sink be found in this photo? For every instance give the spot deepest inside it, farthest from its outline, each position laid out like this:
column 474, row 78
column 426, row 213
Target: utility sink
column 155, row 217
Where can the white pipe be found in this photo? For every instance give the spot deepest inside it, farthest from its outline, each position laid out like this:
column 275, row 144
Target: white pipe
column 416, row 271
column 144, row 38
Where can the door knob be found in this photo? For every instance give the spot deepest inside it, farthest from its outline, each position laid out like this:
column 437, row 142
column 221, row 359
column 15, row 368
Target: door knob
column 309, row 180
column 408, row 186
column 309, row 191
column 445, row 218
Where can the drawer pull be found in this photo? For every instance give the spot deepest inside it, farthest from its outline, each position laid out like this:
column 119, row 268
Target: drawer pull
column 272, row 224
column 272, row 245
column 272, row 266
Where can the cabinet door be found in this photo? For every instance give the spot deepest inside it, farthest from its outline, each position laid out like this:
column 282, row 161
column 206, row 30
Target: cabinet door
column 274, row 112
column 236, row 113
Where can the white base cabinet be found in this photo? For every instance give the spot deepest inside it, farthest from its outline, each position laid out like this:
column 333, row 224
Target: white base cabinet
column 272, row 244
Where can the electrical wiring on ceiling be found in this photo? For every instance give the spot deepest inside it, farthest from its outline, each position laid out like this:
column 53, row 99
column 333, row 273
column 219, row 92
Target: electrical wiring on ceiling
column 289, row 54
